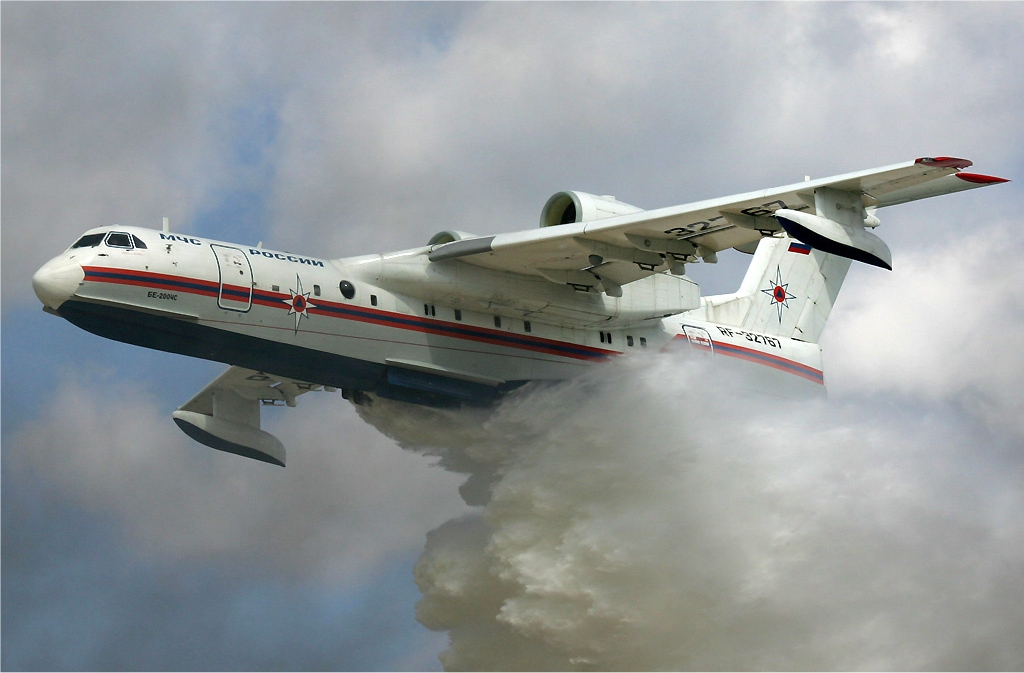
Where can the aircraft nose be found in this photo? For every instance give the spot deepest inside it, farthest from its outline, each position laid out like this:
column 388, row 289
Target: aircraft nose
column 56, row 281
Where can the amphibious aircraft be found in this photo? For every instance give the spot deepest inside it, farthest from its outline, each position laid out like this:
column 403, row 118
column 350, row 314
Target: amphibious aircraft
column 464, row 318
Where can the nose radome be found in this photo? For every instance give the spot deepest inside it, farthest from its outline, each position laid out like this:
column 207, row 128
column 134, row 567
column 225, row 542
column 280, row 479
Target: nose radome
column 56, row 281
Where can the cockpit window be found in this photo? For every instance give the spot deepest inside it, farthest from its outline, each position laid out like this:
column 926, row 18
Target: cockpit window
column 116, row 239
column 88, row 241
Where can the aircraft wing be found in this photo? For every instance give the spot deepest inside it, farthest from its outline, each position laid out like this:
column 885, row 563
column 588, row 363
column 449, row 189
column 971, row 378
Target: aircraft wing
column 628, row 247
column 225, row 415
column 251, row 385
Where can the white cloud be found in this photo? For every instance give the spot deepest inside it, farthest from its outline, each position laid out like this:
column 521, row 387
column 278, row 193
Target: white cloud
column 945, row 324
column 347, row 500
column 398, row 122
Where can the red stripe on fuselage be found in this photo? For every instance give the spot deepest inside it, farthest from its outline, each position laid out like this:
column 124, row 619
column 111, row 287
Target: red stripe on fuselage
column 773, row 361
column 148, row 279
column 766, row 359
column 362, row 314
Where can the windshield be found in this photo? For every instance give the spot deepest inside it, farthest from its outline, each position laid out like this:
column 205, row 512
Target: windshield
column 88, row 241
column 114, row 239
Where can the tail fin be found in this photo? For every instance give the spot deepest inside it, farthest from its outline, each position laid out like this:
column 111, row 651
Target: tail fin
column 788, row 291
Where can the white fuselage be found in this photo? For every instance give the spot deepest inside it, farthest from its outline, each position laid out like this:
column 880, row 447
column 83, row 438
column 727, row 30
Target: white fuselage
column 380, row 323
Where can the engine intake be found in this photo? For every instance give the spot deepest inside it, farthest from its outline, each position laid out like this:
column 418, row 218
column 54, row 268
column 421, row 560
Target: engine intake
column 570, row 207
column 450, row 236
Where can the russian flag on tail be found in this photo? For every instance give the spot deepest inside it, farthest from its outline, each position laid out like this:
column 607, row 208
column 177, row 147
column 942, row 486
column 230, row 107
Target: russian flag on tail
column 800, row 248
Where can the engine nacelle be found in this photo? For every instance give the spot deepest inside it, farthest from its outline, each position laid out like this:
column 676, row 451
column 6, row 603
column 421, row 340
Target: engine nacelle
column 853, row 242
column 450, row 236
column 569, row 207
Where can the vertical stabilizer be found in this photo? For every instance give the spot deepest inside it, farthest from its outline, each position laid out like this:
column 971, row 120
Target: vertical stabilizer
column 788, row 291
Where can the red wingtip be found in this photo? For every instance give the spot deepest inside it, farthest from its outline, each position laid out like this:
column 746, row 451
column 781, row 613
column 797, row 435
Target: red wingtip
column 979, row 179
column 944, row 162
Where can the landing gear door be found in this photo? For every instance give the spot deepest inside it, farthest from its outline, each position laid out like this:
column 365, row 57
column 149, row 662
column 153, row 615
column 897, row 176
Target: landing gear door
column 699, row 339
column 235, row 292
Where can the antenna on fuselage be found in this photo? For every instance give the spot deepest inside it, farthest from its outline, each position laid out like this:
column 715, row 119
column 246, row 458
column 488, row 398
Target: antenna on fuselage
column 167, row 226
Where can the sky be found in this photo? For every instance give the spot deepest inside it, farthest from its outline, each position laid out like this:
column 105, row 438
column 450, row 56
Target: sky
column 638, row 518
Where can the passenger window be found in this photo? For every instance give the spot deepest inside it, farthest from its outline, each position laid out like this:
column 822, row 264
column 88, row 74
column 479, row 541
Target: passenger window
column 119, row 240
column 88, row 241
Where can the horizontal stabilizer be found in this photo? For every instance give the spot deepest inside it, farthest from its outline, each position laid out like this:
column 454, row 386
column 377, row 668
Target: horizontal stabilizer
column 829, row 236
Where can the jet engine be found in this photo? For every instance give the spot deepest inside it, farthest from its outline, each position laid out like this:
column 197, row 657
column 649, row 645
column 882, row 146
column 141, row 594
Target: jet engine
column 569, row 207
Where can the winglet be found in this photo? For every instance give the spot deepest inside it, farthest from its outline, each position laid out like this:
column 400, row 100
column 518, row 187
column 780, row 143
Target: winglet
column 979, row 179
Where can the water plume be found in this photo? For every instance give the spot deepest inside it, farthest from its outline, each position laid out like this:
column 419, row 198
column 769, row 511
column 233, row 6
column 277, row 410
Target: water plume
column 653, row 514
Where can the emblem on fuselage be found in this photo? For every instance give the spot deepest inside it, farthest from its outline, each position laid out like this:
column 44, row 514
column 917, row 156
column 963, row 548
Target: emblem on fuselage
column 298, row 303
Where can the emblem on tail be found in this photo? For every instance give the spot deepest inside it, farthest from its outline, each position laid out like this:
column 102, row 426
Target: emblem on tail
column 779, row 291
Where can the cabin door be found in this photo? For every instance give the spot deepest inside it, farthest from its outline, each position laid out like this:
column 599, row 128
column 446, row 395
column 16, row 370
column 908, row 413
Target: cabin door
column 699, row 339
column 235, row 293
